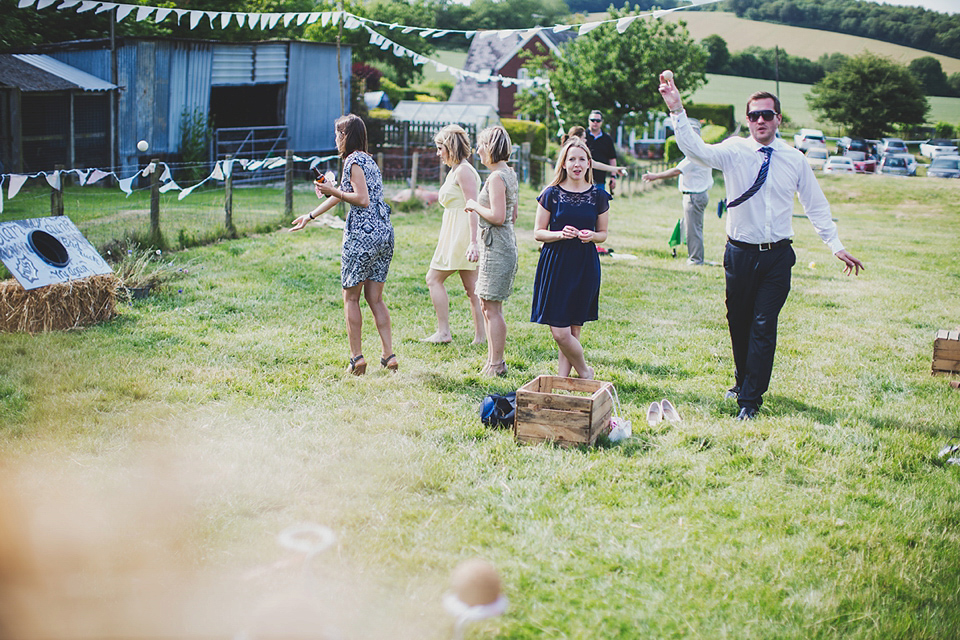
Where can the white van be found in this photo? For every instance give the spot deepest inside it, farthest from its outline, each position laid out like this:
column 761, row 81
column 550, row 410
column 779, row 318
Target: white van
column 807, row 138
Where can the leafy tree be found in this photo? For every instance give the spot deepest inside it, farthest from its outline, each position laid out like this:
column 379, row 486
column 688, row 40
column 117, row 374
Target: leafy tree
column 596, row 6
column 832, row 61
column 401, row 70
column 719, row 54
column 31, row 26
column 931, row 76
column 516, row 14
column 869, row 96
column 954, row 82
column 943, row 130
column 617, row 73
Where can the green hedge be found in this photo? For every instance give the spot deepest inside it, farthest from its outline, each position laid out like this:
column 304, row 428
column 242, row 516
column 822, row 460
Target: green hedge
column 536, row 134
column 710, row 133
column 719, row 114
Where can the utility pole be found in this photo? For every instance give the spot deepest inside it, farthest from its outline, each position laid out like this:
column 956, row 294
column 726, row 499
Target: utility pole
column 776, row 68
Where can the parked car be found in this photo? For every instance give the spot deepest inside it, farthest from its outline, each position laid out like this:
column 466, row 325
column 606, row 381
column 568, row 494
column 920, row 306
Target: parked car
column 944, row 167
column 816, row 157
column 909, row 159
column 838, row 164
column 935, row 148
column 893, row 165
column 892, row 145
column 862, row 163
column 846, row 143
column 807, row 138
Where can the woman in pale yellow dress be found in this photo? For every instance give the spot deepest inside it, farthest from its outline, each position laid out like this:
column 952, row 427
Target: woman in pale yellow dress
column 457, row 250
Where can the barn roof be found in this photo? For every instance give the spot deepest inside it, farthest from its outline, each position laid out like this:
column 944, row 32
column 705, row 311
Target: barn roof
column 488, row 54
column 36, row 72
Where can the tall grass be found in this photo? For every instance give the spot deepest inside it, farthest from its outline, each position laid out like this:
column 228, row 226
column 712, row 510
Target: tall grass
column 831, row 516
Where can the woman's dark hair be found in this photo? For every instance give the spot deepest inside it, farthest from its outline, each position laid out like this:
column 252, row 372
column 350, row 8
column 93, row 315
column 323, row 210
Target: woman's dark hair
column 764, row 95
column 354, row 134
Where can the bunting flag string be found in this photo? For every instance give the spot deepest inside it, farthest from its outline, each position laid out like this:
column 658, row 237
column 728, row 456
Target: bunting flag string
column 268, row 21
column 381, row 41
column 86, row 177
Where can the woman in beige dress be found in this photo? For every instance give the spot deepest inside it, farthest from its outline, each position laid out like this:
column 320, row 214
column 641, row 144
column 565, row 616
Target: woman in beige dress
column 497, row 211
column 457, row 250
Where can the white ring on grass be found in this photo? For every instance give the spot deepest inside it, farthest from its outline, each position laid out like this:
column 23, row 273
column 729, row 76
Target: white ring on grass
column 464, row 613
column 307, row 538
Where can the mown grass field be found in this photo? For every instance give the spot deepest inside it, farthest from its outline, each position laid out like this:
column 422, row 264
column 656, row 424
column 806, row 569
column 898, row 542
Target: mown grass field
column 154, row 459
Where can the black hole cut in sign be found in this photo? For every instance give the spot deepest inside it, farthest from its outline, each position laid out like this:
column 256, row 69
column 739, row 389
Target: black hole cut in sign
column 48, row 248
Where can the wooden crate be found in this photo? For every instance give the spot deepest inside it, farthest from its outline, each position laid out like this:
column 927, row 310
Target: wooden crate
column 946, row 352
column 566, row 411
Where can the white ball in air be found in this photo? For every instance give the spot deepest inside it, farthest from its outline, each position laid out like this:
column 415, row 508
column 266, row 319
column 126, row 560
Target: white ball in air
column 143, row 145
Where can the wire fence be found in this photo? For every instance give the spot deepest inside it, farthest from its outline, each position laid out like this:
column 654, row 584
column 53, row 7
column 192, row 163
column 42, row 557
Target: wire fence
column 263, row 201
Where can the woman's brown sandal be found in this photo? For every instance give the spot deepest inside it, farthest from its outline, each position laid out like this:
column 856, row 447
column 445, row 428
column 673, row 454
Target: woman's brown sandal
column 390, row 363
column 358, row 366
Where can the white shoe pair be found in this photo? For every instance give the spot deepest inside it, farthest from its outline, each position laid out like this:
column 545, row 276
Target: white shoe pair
column 663, row 410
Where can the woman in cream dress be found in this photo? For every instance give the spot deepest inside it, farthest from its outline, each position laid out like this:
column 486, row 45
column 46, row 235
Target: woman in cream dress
column 457, row 250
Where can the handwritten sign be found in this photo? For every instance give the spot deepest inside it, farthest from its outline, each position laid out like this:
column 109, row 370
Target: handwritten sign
column 23, row 254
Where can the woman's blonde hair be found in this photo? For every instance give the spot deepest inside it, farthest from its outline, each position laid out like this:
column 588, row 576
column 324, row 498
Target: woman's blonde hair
column 497, row 141
column 560, row 171
column 455, row 142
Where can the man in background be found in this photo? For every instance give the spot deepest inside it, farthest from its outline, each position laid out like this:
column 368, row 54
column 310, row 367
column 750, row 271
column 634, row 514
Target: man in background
column 602, row 149
column 695, row 181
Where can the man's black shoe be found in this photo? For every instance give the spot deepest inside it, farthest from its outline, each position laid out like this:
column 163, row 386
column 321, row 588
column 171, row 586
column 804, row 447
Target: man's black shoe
column 747, row 413
column 732, row 393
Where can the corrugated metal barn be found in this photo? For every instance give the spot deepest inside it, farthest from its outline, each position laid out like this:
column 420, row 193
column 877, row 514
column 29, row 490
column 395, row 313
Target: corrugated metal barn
column 284, row 87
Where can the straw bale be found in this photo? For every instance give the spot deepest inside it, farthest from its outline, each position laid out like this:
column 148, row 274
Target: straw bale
column 66, row 305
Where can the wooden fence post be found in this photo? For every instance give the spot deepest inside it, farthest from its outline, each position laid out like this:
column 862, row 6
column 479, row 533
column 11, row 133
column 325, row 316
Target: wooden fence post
column 228, row 198
column 155, row 203
column 525, row 161
column 56, row 195
column 413, row 172
column 288, row 186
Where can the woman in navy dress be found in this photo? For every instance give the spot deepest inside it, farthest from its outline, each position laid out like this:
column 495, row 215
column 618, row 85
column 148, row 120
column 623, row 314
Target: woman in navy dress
column 571, row 218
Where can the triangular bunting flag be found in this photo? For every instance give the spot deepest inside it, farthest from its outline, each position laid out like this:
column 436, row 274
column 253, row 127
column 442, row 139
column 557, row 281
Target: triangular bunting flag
column 16, row 181
column 53, row 179
column 125, row 184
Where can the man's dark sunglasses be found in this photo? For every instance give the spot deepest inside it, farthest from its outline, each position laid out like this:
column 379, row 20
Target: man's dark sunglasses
column 766, row 114
column 596, row 120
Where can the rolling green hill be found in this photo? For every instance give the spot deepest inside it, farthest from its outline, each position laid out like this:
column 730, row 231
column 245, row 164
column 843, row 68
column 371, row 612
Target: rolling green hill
column 809, row 43
column 741, row 33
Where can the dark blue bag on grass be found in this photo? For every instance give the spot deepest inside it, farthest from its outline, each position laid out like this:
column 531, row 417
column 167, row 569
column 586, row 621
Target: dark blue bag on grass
column 499, row 410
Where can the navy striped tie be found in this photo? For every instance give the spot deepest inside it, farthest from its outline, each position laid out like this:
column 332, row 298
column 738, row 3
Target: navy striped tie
column 761, row 178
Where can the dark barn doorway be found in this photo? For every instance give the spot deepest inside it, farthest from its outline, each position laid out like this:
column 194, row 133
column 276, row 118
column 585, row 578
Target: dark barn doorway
column 256, row 105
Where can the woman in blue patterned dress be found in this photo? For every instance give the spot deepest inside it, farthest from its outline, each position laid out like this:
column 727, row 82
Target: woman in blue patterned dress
column 367, row 239
column 572, row 217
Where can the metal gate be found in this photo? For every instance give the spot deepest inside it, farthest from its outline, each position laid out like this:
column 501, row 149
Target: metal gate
column 252, row 143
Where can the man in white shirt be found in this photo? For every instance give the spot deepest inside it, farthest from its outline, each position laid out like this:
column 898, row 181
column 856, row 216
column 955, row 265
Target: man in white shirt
column 695, row 181
column 766, row 173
